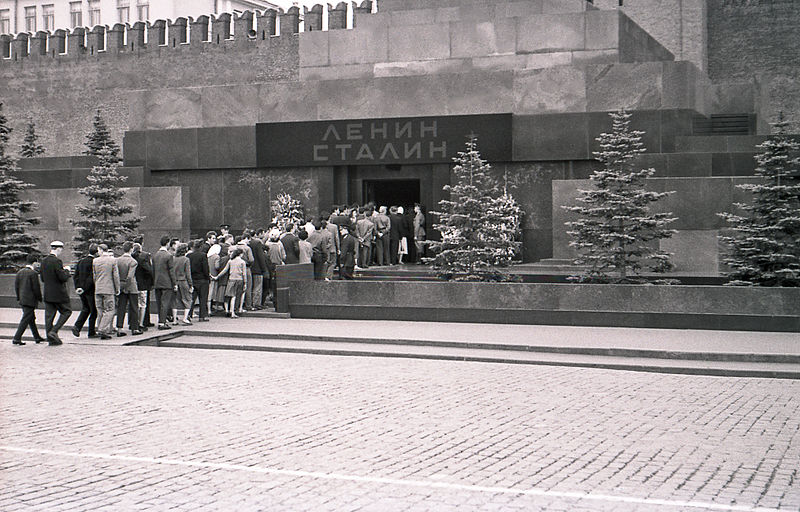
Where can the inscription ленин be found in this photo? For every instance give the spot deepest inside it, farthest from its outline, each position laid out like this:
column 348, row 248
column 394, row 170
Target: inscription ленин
column 380, row 141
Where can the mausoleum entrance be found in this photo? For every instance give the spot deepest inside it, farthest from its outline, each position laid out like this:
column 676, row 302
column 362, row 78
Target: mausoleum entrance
column 392, row 192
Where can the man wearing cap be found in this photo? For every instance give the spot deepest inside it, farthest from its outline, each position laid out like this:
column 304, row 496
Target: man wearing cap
column 165, row 281
column 56, row 298
column 224, row 230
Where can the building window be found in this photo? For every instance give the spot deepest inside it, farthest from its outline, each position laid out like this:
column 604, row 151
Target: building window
column 5, row 21
column 75, row 14
column 143, row 9
column 30, row 19
column 94, row 12
column 48, row 17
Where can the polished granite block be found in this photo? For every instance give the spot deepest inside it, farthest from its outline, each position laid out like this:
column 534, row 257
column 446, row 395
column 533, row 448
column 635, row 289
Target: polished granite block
column 550, row 90
column 550, row 32
column 172, row 149
column 642, row 86
column 232, row 147
column 476, row 39
column 419, row 42
column 551, row 137
column 229, row 105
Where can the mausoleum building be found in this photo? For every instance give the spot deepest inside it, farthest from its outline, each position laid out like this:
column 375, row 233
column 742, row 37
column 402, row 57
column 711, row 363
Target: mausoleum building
column 219, row 114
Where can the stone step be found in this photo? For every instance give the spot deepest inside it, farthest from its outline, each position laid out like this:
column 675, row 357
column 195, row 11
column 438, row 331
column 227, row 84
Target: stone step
column 741, row 365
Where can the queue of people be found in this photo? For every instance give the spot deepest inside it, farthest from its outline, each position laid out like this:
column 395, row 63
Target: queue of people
column 217, row 275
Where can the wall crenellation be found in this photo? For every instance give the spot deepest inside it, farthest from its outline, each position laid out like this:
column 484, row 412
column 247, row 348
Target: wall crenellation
column 249, row 27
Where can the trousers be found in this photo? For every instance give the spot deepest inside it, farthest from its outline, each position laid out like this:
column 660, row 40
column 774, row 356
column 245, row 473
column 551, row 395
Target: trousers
column 88, row 311
column 105, row 308
column 50, row 309
column 28, row 320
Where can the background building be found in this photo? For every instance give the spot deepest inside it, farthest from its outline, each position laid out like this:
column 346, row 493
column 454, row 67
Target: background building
column 49, row 15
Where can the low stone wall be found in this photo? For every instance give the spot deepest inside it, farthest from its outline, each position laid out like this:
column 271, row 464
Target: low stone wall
column 684, row 307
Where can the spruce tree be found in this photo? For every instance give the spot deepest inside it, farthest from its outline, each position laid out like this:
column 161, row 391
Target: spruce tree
column 478, row 224
column 105, row 218
column 616, row 231
column 30, row 145
column 15, row 242
column 99, row 140
column 764, row 248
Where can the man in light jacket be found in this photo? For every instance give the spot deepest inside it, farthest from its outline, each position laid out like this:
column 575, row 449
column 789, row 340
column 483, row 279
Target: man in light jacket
column 106, row 288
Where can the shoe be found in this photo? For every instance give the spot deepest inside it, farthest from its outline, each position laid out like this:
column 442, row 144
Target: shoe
column 234, row 316
column 164, row 327
column 53, row 338
column 120, row 334
column 17, row 342
column 105, row 337
column 183, row 322
column 39, row 340
column 93, row 335
column 143, row 329
column 203, row 320
column 76, row 332
column 136, row 333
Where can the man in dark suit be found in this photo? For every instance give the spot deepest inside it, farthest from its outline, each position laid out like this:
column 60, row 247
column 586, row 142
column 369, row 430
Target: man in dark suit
column 259, row 267
column 347, row 261
column 395, row 233
column 84, row 287
column 26, row 286
column 292, row 245
column 144, row 282
column 164, row 281
column 128, row 291
column 56, row 298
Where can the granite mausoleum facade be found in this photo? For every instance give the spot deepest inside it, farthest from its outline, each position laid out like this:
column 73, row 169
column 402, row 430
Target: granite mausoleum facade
column 219, row 114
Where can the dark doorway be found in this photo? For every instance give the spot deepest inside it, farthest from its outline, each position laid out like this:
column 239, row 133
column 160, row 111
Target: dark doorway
column 392, row 192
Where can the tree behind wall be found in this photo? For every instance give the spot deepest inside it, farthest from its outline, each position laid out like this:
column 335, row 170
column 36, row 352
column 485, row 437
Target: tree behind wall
column 15, row 242
column 100, row 140
column 616, row 232
column 30, row 147
column 105, row 218
column 478, row 224
column 764, row 248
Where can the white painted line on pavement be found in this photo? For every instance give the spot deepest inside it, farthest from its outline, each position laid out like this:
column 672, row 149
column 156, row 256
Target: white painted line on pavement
column 396, row 481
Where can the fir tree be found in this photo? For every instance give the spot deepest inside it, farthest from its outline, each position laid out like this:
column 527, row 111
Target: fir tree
column 616, row 231
column 105, row 219
column 99, row 141
column 15, row 242
column 478, row 224
column 765, row 246
column 30, row 145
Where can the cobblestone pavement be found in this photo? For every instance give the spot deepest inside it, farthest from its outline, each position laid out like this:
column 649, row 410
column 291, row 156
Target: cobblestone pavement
column 143, row 428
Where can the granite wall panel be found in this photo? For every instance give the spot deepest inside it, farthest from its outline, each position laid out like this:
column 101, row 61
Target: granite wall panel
column 551, row 32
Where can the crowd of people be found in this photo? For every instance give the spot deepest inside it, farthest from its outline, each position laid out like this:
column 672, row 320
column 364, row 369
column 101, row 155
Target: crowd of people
column 217, row 275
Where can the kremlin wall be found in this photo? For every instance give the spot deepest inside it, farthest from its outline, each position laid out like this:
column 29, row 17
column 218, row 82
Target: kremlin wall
column 219, row 114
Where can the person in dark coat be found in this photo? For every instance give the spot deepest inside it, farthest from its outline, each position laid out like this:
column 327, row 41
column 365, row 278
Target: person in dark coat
column 291, row 244
column 29, row 293
column 395, row 233
column 258, row 268
column 84, row 287
column 347, row 260
column 201, row 278
column 56, row 298
column 144, row 282
column 164, row 281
